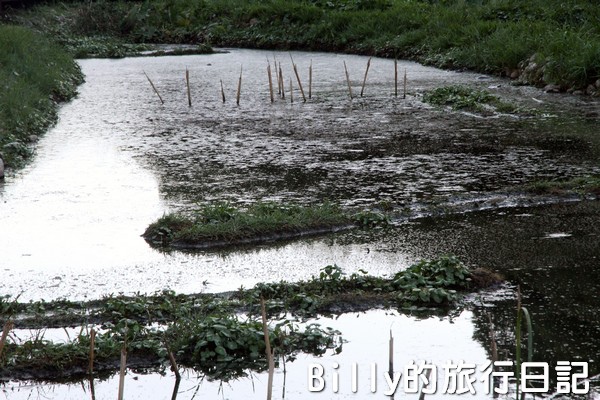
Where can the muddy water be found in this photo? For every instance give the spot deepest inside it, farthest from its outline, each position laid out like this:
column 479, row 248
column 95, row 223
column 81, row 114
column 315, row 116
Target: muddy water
column 70, row 222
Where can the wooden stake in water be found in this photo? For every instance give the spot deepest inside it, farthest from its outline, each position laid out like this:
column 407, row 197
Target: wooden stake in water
column 291, row 91
column 7, row 328
column 268, row 351
column 391, row 356
column 396, row 77
column 404, row 94
column 239, row 90
column 365, row 78
column 187, row 82
column 122, row 371
column 348, row 80
column 154, row 87
column 298, row 78
column 270, row 82
column 281, row 82
column 310, row 80
column 222, row 92
column 92, row 343
column 277, row 76
column 174, row 366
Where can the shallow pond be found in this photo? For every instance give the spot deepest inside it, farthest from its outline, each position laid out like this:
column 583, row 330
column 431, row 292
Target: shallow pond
column 118, row 159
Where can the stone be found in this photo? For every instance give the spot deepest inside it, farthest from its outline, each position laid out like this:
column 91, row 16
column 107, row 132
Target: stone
column 552, row 88
column 578, row 92
column 33, row 138
column 1, row 168
column 514, row 74
column 590, row 90
column 598, row 83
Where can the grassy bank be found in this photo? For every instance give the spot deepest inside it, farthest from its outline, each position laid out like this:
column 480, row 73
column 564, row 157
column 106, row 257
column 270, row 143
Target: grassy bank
column 35, row 75
column 538, row 41
column 221, row 224
column 206, row 332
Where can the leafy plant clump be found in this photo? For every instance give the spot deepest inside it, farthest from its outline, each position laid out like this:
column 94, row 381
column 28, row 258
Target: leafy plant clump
column 222, row 224
column 207, row 331
column 580, row 185
column 32, row 83
column 464, row 98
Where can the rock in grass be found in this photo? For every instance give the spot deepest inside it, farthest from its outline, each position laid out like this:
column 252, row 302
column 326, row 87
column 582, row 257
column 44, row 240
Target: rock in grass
column 1, row 168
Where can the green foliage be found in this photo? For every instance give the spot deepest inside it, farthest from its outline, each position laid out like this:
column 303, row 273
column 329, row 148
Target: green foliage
column 31, row 84
column 371, row 219
column 465, row 98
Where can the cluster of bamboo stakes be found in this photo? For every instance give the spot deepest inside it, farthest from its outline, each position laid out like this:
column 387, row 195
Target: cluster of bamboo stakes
column 281, row 83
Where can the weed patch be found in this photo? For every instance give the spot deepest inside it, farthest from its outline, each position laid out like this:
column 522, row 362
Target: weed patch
column 468, row 99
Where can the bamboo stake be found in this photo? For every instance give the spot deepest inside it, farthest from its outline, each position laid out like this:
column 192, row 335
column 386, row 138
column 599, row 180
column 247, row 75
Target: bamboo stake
column 154, row 87
column 396, row 77
column 277, row 77
column 427, row 374
column 122, row 370
column 270, row 82
column 404, row 94
column 7, row 328
column 365, row 78
column 187, row 82
column 299, row 83
column 281, row 82
column 92, row 342
column 268, row 351
column 92, row 389
column 391, row 356
column 291, row 91
column 222, row 92
column 348, row 80
column 310, row 80
column 239, row 90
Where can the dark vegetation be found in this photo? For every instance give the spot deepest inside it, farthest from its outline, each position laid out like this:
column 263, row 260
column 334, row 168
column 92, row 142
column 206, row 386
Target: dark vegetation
column 540, row 41
column 221, row 224
column 35, row 75
column 465, row 98
column 220, row 335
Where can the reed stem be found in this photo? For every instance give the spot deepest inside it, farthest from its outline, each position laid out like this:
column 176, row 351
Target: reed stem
column 239, row 90
column 7, row 328
column 362, row 90
column 92, row 344
column 154, row 88
column 348, row 80
column 122, row 371
column 222, row 92
column 404, row 94
column 187, row 82
column 310, row 80
column 396, row 77
column 268, row 351
column 270, row 82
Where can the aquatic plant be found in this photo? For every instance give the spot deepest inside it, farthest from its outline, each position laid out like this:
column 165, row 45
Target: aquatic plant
column 221, row 223
column 465, row 98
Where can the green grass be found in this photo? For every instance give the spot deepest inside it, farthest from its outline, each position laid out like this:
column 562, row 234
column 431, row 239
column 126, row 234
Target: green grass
column 580, row 185
column 222, row 222
column 35, row 74
column 496, row 36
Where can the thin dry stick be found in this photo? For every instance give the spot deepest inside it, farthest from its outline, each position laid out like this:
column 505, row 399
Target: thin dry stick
column 187, row 82
column 7, row 328
column 396, row 77
column 122, row 370
column 348, row 80
column 299, row 83
column 427, row 374
column 222, row 91
column 92, row 342
column 310, row 80
column 270, row 82
column 268, row 351
column 237, row 97
column 154, row 87
column 281, row 82
column 391, row 358
column 291, row 91
column 365, row 78
column 404, row 94
column 176, row 388
column 277, row 77
column 92, row 389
